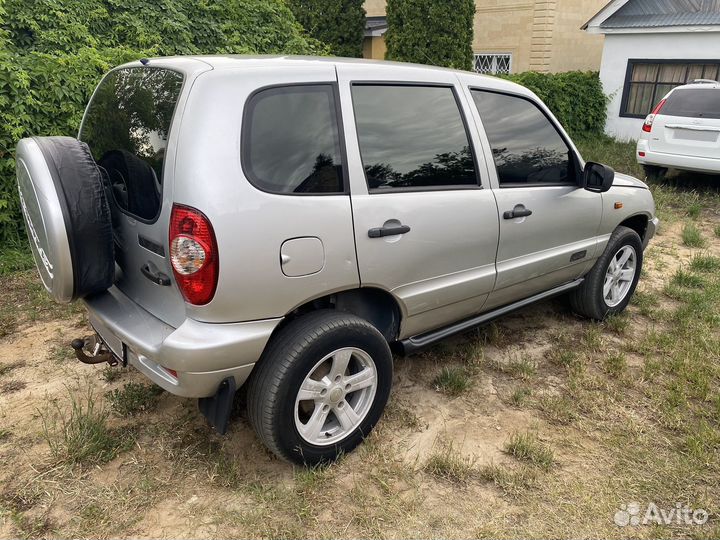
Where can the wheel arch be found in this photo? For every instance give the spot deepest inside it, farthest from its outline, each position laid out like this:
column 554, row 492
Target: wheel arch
column 377, row 306
column 638, row 223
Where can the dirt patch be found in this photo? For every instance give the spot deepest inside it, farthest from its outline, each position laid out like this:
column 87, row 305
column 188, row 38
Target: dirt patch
column 580, row 389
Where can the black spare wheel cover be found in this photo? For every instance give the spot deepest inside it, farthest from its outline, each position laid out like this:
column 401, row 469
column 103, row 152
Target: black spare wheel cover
column 67, row 215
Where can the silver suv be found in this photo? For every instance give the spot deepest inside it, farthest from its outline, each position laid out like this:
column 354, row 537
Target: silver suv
column 282, row 223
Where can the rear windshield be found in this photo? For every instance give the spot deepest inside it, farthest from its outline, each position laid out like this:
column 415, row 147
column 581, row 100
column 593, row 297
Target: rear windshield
column 126, row 127
column 693, row 102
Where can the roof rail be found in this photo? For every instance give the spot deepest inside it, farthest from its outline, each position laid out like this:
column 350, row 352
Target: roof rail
column 704, row 81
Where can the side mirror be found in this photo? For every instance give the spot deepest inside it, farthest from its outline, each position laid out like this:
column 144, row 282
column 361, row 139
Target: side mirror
column 598, row 177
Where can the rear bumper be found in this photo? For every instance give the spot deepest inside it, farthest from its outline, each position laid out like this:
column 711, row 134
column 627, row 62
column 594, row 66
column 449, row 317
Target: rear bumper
column 202, row 354
column 676, row 161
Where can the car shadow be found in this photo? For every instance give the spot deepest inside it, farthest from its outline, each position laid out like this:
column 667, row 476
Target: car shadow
column 691, row 181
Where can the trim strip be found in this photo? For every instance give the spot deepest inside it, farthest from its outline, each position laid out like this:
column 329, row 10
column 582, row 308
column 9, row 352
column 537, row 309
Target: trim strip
column 415, row 343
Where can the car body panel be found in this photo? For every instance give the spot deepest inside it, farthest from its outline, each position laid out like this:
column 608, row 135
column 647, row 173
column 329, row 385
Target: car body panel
column 446, row 263
column 448, row 267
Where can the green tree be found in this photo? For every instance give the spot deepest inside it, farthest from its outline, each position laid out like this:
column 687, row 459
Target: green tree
column 431, row 32
column 338, row 23
column 54, row 52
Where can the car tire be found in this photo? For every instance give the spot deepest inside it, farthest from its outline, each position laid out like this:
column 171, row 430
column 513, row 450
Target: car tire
column 653, row 172
column 341, row 365
column 67, row 216
column 611, row 282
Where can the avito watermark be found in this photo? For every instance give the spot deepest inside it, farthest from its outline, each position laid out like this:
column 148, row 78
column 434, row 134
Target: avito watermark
column 633, row 514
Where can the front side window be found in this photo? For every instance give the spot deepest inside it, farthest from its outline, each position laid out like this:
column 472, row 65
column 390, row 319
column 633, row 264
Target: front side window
column 291, row 141
column 126, row 127
column 647, row 82
column 526, row 147
column 412, row 137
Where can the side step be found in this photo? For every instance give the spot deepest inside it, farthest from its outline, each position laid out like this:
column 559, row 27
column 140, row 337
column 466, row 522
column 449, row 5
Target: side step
column 415, row 343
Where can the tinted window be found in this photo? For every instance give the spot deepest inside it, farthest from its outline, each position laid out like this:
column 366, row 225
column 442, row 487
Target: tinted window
column 412, row 137
column 693, row 102
column 126, row 128
column 291, row 141
column 526, row 146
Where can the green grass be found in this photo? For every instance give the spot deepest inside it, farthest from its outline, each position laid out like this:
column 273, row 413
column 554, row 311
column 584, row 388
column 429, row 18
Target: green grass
column 520, row 396
column 15, row 259
column 453, row 381
column 694, row 210
column 110, row 374
column 512, row 482
column 527, row 448
column 448, row 463
column 692, row 237
column 716, row 230
column 78, row 432
column 705, row 263
column 683, row 278
column 615, row 364
column 134, row 398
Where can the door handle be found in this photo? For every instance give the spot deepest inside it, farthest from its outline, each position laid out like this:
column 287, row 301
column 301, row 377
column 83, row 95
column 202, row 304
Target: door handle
column 153, row 274
column 391, row 230
column 518, row 211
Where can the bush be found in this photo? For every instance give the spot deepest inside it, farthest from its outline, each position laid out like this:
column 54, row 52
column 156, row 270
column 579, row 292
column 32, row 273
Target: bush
column 53, row 53
column 431, row 32
column 576, row 98
column 338, row 23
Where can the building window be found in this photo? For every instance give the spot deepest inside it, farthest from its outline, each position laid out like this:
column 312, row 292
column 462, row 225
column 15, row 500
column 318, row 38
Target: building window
column 493, row 63
column 648, row 81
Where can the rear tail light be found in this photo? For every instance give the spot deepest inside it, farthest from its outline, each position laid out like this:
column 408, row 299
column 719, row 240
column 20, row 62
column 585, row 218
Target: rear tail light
column 647, row 126
column 193, row 254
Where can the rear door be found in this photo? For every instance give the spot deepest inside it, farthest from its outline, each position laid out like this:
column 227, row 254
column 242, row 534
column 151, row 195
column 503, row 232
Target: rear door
column 425, row 219
column 689, row 123
column 128, row 126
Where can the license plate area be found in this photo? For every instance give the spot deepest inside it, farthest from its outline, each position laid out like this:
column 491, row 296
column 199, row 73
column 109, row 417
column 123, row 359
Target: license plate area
column 695, row 135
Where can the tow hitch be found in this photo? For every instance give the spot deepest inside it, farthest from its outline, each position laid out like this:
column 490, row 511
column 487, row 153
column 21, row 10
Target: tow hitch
column 92, row 350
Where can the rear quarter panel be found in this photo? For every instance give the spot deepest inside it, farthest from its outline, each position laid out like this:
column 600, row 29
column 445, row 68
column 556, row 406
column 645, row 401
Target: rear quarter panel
column 250, row 225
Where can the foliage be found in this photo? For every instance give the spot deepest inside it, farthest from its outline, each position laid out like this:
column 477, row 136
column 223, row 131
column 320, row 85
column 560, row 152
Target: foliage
column 54, row 52
column 134, row 398
column 338, row 23
column 576, row 98
column 431, row 32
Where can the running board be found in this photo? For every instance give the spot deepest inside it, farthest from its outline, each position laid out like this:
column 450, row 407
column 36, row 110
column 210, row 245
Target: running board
column 415, row 343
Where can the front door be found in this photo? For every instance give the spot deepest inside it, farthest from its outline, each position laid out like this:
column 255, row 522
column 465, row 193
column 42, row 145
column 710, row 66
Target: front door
column 426, row 226
column 548, row 224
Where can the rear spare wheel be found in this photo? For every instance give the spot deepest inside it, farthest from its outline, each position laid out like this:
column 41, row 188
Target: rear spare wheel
column 67, row 216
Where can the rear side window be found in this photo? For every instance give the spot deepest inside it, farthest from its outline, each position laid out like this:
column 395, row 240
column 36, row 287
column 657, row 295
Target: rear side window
column 526, row 146
column 291, row 141
column 412, row 137
column 693, row 103
column 126, row 127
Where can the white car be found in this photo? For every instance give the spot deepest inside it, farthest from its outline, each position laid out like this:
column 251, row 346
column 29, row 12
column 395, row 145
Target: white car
column 683, row 131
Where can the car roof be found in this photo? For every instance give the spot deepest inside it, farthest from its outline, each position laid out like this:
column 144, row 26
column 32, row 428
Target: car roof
column 708, row 84
column 238, row 61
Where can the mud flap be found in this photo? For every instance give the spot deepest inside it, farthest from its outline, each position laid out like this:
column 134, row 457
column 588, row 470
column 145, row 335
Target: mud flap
column 217, row 408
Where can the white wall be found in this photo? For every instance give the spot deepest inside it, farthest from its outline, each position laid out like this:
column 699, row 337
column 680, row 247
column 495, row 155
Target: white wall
column 620, row 47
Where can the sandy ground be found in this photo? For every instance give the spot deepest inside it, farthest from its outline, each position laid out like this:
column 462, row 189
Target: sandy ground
column 177, row 479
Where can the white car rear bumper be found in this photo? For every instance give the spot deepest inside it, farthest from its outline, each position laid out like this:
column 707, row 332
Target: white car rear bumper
column 676, row 161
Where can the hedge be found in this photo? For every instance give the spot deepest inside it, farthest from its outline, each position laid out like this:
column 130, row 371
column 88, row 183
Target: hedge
column 338, row 23
column 53, row 53
column 576, row 98
column 432, row 32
